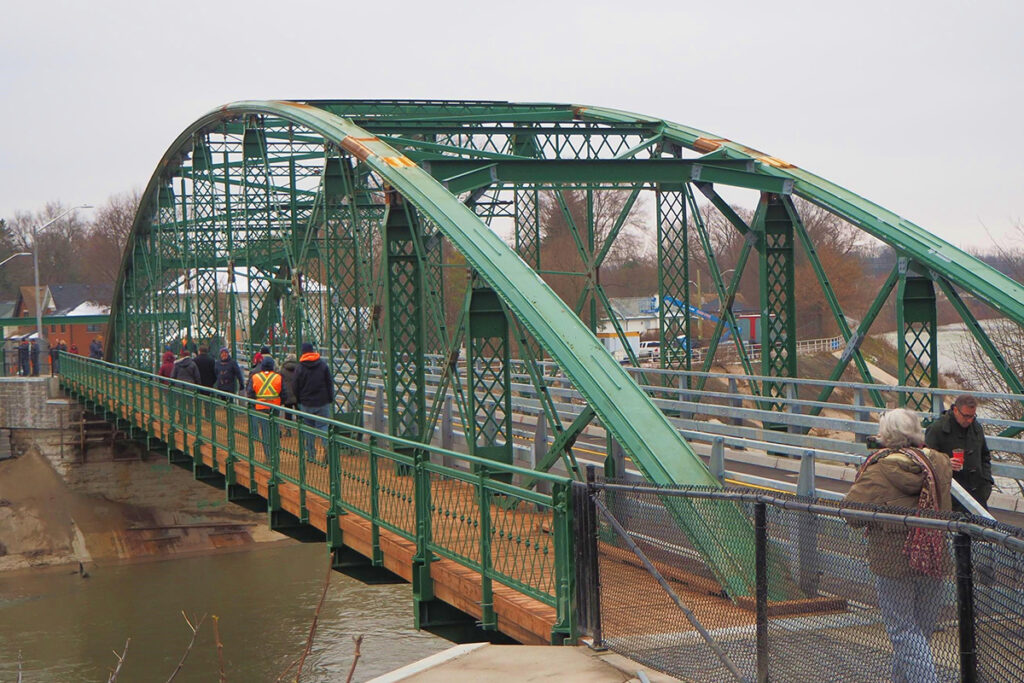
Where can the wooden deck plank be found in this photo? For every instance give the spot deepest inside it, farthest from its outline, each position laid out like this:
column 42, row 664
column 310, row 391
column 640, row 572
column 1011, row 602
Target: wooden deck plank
column 519, row 616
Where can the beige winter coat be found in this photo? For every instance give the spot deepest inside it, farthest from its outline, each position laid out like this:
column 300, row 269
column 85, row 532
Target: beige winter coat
column 895, row 480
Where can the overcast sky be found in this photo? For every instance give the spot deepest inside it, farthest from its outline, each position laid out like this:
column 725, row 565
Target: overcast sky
column 914, row 105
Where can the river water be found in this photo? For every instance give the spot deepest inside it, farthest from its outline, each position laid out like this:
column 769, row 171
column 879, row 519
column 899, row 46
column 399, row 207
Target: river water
column 66, row 627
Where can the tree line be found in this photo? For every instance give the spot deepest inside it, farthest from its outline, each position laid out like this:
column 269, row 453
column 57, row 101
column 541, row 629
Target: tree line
column 83, row 247
column 86, row 247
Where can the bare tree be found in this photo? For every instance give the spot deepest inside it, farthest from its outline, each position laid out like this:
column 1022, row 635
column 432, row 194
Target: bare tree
column 977, row 371
column 561, row 250
column 59, row 245
column 107, row 237
column 842, row 252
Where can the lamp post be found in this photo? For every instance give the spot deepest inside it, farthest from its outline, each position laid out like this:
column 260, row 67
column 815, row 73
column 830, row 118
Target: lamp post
column 14, row 256
column 43, row 350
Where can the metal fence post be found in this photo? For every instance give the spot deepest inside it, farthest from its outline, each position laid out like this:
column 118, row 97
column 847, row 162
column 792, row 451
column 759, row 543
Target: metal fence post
column 717, row 461
column 861, row 414
column 761, row 587
column 378, row 411
column 965, row 602
column 540, row 449
column 588, row 576
column 488, row 620
column 736, row 401
column 805, row 482
column 447, row 431
column 792, row 408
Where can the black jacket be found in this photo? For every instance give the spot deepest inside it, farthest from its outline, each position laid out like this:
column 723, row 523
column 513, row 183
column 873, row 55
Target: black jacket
column 314, row 386
column 207, row 370
column 945, row 434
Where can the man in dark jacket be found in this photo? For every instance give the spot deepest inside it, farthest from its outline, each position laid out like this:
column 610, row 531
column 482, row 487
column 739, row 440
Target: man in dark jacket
column 23, row 366
column 207, row 375
column 96, row 348
column 229, row 375
column 34, row 357
column 314, row 391
column 185, row 370
column 958, row 428
column 207, row 372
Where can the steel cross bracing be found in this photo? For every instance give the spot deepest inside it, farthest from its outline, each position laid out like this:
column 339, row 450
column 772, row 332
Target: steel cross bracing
column 364, row 226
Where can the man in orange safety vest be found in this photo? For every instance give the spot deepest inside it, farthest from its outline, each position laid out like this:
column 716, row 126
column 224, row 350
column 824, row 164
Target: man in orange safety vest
column 267, row 387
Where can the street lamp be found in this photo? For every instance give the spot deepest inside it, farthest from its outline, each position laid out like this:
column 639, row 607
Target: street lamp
column 14, row 256
column 43, row 350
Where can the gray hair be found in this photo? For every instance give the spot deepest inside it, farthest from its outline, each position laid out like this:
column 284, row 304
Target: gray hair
column 899, row 428
column 965, row 401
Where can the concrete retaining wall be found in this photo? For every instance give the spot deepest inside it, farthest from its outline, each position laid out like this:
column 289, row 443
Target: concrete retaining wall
column 34, row 403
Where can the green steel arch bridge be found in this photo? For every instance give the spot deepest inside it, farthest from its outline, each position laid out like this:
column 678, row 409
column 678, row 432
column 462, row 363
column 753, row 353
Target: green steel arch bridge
column 371, row 229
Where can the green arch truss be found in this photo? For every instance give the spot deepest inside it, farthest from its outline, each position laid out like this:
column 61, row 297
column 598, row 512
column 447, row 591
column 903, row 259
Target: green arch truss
column 369, row 227
column 270, row 222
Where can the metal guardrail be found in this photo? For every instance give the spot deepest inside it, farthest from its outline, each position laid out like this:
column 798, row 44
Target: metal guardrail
column 735, row 419
column 471, row 513
column 647, row 594
column 740, row 426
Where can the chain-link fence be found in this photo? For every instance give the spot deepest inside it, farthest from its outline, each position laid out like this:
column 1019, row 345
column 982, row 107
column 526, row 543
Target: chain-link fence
column 818, row 591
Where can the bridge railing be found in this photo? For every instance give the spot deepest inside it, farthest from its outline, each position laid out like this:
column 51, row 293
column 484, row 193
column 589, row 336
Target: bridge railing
column 469, row 510
column 733, row 418
column 652, row 598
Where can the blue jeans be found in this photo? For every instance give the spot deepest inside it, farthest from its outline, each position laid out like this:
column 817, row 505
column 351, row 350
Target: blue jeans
column 261, row 426
column 910, row 609
column 318, row 411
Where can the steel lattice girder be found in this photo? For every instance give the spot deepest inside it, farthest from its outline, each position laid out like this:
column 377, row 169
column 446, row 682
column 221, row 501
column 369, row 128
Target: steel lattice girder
column 520, row 146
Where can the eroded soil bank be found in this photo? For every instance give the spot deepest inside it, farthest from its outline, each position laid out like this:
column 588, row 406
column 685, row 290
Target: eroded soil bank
column 57, row 510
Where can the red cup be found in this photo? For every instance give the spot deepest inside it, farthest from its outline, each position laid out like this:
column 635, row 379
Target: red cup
column 958, row 456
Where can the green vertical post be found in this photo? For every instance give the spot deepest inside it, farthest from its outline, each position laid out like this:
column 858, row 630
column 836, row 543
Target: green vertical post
column 673, row 278
column 204, row 241
column 489, row 398
column 256, row 219
column 345, row 296
column 488, row 620
column 404, row 342
column 917, row 349
column 775, row 247
column 404, row 333
column 565, row 628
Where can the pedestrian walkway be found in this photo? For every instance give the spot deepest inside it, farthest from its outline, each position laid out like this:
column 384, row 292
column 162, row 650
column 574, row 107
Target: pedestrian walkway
column 483, row 663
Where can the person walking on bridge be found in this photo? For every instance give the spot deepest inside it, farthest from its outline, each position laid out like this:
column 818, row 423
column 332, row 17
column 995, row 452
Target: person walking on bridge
column 957, row 429
column 96, row 348
column 55, row 356
column 185, row 370
column 229, row 375
column 314, row 390
column 166, row 365
column 288, row 376
column 269, row 390
column 23, row 368
column 207, row 378
column 909, row 564
column 33, row 354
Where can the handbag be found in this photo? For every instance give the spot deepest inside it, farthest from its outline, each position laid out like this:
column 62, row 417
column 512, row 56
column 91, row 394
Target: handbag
column 925, row 548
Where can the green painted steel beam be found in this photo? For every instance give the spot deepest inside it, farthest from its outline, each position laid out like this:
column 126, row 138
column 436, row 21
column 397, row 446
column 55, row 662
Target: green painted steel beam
column 57, row 320
column 644, row 432
column 587, row 138
column 973, row 275
column 461, row 175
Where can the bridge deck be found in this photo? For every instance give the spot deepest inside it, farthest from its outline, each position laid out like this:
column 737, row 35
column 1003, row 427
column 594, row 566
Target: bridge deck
column 456, row 517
